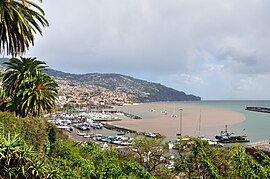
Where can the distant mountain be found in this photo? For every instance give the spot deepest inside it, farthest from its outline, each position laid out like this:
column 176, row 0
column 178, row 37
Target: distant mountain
column 144, row 91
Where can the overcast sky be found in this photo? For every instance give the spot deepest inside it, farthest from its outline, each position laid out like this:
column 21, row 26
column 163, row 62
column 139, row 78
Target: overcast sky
column 217, row 49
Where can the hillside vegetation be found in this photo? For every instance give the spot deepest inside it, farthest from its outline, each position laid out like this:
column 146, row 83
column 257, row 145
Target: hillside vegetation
column 143, row 91
column 34, row 148
column 140, row 90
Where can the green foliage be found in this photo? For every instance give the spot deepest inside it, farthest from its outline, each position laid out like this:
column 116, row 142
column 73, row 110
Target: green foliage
column 198, row 159
column 18, row 73
column 245, row 166
column 91, row 147
column 68, row 159
column 17, row 160
column 205, row 160
column 190, row 164
column 19, row 21
column 88, row 160
column 52, row 138
column 262, row 158
column 4, row 100
column 33, row 130
column 26, row 157
column 30, row 91
column 149, row 152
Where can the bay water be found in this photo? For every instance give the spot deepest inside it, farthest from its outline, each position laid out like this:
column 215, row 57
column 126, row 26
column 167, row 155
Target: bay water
column 255, row 125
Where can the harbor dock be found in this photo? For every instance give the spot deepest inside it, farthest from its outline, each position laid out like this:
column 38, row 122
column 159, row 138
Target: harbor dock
column 117, row 128
column 132, row 116
column 258, row 109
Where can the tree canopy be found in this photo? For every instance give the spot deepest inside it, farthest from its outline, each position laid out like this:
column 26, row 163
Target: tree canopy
column 19, row 21
column 31, row 92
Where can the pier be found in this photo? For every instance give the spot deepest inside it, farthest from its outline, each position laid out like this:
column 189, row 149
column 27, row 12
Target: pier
column 258, row 109
column 132, row 116
column 125, row 129
column 106, row 120
column 118, row 128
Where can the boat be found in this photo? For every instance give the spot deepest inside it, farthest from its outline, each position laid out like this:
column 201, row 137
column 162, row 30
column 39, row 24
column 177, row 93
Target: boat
column 149, row 134
column 174, row 115
column 226, row 137
column 164, row 112
column 121, row 133
column 81, row 133
column 87, row 136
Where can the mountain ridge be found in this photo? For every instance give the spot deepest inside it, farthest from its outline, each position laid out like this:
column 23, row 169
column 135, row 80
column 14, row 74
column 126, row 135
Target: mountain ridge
column 146, row 91
column 140, row 90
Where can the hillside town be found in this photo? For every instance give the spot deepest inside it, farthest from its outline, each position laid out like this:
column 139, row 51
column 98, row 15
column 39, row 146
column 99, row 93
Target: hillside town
column 74, row 92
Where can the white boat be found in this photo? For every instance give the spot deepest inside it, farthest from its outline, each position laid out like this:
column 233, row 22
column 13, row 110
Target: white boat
column 164, row 112
column 174, row 115
column 81, row 134
column 87, row 136
column 150, row 134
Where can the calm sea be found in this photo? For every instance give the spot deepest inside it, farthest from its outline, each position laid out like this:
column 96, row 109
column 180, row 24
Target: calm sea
column 256, row 125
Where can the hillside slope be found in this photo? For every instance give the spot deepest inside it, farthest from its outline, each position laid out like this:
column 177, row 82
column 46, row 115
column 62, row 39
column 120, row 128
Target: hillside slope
column 143, row 90
column 140, row 90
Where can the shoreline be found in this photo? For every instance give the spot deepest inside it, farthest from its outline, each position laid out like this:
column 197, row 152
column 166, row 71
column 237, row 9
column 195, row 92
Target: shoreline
column 197, row 120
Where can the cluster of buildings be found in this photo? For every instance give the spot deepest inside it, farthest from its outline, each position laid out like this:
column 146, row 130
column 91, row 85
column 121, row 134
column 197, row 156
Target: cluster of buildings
column 86, row 94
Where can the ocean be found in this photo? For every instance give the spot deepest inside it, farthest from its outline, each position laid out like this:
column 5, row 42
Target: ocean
column 201, row 118
column 256, row 124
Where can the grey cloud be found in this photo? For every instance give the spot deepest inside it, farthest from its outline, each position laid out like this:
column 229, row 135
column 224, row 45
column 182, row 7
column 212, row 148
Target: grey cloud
column 156, row 37
column 245, row 56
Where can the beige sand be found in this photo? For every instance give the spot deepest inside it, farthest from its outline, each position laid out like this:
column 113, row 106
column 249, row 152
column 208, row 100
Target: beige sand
column 212, row 119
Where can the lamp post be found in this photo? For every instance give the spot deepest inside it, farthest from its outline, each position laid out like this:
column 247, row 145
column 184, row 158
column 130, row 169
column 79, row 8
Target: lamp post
column 180, row 121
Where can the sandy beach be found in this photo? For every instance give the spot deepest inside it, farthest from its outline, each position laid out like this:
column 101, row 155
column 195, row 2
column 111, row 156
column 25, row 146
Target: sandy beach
column 210, row 120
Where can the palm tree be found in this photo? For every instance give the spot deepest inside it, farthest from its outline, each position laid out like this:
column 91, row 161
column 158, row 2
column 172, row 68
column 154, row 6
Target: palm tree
column 31, row 91
column 39, row 98
column 4, row 100
column 19, row 21
column 19, row 73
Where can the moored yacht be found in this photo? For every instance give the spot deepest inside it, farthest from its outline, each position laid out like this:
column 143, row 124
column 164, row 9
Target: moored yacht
column 225, row 137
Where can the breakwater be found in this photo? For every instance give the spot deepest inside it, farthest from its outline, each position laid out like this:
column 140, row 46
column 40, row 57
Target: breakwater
column 106, row 120
column 118, row 128
column 132, row 116
column 258, row 109
column 125, row 129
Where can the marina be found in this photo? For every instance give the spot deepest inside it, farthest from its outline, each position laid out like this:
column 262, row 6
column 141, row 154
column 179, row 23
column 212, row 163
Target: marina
column 197, row 119
column 184, row 119
column 97, row 126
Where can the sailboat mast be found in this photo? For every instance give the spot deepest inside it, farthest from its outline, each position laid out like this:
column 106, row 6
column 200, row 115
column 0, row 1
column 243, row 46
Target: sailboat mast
column 200, row 119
